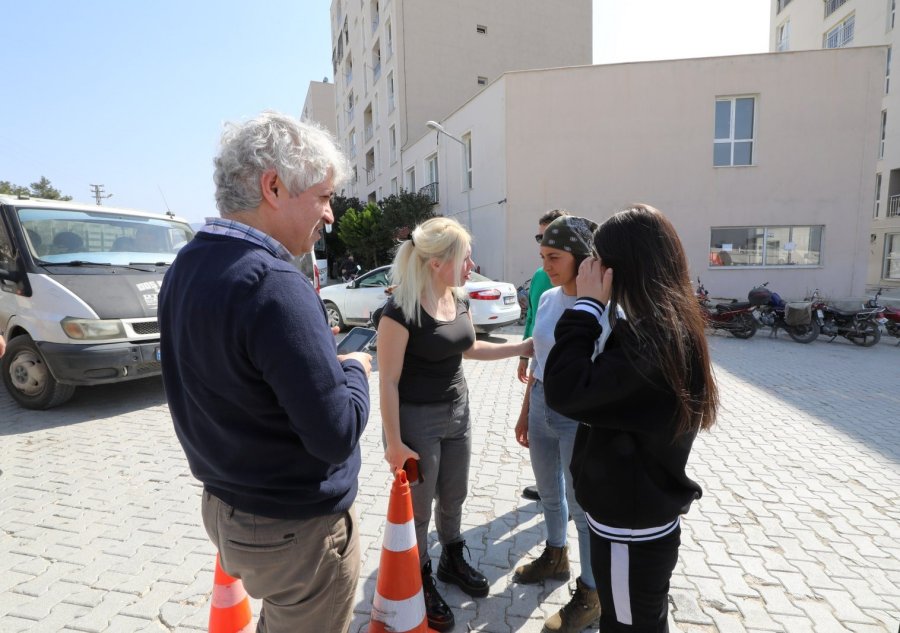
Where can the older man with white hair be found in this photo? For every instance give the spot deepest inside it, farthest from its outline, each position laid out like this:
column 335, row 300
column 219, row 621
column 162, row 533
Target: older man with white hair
column 268, row 414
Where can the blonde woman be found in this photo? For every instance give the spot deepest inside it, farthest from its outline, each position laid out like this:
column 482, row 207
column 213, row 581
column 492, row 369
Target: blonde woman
column 424, row 334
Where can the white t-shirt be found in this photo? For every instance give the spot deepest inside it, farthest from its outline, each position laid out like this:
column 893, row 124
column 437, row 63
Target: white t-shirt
column 551, row 306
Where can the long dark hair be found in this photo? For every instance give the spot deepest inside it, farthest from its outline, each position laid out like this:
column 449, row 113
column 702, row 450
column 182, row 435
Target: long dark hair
column 652, row 284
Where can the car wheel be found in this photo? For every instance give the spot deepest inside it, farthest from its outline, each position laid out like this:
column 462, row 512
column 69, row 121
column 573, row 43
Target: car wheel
column 28, row 379
column 334, row 316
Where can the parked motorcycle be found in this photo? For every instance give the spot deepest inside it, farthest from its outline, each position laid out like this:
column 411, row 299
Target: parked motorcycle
column 794, row 318
column 522, row 298
column 735, row 317
column 891, row 316
column 860, row 327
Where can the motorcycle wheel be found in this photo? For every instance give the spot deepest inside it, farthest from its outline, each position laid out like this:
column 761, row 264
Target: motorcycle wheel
column 744, row 326
column 804, row 333
column 868, row 337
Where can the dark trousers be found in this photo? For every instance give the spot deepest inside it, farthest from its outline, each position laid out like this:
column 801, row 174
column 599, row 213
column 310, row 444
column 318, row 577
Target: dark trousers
column 633, row 582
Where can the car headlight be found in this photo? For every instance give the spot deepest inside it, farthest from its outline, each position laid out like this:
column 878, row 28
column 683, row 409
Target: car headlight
column 91, row 329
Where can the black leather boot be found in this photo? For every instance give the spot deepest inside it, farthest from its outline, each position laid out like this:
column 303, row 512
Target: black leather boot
column 454, row 569
column 438, row 614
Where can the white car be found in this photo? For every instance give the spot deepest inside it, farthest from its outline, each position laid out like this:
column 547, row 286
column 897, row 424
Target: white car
column 492, row 304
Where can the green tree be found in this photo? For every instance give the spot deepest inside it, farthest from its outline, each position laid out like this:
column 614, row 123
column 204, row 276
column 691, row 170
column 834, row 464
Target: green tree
column 335, row 248
column 40, row 189
column 404, row 211
column 362, row 232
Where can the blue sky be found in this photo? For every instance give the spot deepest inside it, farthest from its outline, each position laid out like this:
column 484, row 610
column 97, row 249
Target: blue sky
column 133, row 95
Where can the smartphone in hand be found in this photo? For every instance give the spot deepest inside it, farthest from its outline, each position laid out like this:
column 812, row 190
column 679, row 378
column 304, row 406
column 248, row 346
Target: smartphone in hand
column 357, row 340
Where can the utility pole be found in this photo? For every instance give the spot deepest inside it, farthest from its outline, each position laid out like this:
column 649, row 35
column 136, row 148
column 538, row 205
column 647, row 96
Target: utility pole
column 97, row 190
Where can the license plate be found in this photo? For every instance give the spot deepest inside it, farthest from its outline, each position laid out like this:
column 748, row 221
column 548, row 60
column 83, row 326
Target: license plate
column 157, row 355
column 508, row 300
column 820, row 314
column 756, row 314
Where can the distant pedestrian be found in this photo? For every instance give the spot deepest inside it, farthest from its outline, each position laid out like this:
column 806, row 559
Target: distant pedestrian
column 268, row 415
column 643, row 387
column 425, row 332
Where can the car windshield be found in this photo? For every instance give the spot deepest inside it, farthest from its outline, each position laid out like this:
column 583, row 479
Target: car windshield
column 58, row 236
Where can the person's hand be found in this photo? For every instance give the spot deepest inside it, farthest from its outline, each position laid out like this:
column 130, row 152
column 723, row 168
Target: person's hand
column 335, row 330
column 522, row 370
column 397, row 454
column 522, row 428
column 526, row 347
column 2, row 346
column 594, row 280
column 362, row 357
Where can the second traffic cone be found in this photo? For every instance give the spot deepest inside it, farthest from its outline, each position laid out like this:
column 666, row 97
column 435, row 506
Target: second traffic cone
column 229, row 610
column 399, row 604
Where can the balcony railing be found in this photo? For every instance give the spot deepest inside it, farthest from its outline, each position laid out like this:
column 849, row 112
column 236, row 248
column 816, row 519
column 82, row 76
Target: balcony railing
column 431, row 190
column 893, row 206
column 370, row 175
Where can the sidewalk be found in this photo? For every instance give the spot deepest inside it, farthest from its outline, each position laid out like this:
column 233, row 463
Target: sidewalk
column 100, row 523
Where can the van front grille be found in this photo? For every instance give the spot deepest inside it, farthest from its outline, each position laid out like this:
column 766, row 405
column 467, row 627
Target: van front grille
column 145, row 327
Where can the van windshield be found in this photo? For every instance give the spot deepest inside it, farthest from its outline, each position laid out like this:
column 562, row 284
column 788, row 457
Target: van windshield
column 62, row 235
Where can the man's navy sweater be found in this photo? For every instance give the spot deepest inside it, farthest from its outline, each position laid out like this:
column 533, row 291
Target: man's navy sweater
column 269, row 419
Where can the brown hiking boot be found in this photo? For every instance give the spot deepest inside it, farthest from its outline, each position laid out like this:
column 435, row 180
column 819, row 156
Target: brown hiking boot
column 583, row 610
column 552, row 563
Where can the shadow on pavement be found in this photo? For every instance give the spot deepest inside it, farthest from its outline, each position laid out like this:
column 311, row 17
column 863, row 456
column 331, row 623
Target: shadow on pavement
column 851, row 388
column 88, row 403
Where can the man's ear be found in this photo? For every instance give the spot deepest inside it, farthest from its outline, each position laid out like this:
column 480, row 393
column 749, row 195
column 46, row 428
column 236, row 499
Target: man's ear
column 269, row 187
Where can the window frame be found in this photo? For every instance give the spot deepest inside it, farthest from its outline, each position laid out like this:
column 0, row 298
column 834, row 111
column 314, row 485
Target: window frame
column 890, row 254
column 732, row 140
column 764, row 234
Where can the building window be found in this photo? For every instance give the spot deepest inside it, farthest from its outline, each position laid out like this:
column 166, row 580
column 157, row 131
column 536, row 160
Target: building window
column 467, row 161
column 388, row 40
column 390, row 91
column 883, row 131
column 411, row 179
column 482, row 81
column 762, row 246
column 887, row 72
column 841, row 35
column 352, row 143
column 891, row 16
column 733, row 143
column 481, row 29
column 783, row 37
column 394, row 188
column 392, row 139
column 348, row 72
column 891, row 256
column 782, row 4
column 376, row 61
column 431, row 189
column 351, row 102
column 833, row 5
column 375, row 16
column 877, row 194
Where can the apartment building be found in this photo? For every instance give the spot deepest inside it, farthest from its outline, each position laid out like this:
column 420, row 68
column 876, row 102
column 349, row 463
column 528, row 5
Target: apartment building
column 757, row 159
column 319, row 105
column 399, row 63
column 814, row 24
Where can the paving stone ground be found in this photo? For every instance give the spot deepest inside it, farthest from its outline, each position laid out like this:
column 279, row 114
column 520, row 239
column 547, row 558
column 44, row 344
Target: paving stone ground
column 797, row 530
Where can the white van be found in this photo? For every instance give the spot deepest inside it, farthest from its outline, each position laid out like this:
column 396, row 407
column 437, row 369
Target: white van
column 79, row 291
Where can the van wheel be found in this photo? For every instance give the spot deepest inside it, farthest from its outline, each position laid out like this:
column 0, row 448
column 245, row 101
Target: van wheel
column 28, row 379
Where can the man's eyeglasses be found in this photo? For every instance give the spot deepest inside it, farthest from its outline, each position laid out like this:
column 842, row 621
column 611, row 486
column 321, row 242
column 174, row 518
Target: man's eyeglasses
column 538, row 237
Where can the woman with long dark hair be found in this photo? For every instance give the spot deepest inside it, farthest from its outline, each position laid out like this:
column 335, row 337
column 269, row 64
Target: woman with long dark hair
column 643, row 387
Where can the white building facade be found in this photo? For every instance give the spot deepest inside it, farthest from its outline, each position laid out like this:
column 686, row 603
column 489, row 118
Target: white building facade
column 814, row 24
column 400, row 63
column 760, row 163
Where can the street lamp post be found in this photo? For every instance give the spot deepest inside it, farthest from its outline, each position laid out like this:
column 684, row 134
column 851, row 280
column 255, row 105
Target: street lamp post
column 437, row 127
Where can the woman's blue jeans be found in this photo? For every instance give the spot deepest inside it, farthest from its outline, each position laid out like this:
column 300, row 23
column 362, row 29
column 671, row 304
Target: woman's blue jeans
column 551, row 439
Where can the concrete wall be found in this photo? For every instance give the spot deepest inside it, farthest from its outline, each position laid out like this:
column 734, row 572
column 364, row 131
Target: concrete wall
column 595, row 138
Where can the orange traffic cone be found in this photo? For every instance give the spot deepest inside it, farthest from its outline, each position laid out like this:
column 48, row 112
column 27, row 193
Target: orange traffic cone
column 229, row 610
column 399, row 604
